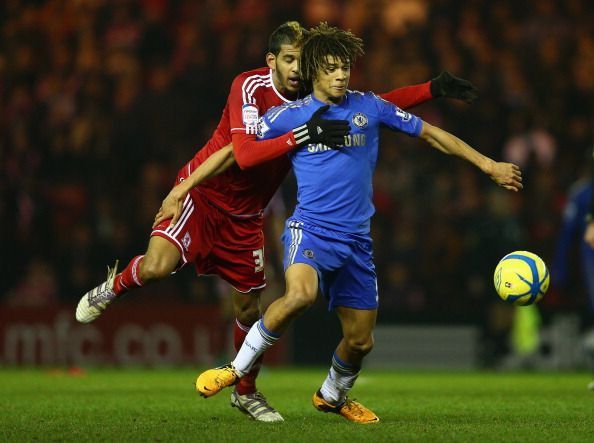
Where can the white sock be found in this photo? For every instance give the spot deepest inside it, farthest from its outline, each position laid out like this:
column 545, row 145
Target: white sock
column 257, row 340
column 341, row 378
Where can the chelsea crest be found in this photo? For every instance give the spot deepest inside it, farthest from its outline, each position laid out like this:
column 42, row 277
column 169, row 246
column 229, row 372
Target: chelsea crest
column 360, row 120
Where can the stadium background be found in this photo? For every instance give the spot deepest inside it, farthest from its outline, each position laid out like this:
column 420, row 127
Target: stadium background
column 102, row 101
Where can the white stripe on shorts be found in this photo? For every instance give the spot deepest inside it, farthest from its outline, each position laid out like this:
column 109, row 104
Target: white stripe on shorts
column 188, row 208
column 296, row 237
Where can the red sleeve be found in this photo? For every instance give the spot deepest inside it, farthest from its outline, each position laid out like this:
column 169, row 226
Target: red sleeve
column 244, row 112
column 241, row 110
column 409, row 96
column 250, row 152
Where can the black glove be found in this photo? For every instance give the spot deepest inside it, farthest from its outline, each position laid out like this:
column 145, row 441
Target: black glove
column 317, row 130
column 447, row 85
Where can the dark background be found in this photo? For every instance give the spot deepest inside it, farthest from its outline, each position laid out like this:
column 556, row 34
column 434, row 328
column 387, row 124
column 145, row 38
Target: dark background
column 101, row 102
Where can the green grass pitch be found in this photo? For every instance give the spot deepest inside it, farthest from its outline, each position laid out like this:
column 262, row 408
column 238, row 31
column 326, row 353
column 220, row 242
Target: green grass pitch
column 161, row 405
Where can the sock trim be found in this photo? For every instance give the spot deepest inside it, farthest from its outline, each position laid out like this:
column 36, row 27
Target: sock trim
column 135, row 276
column 243, row 327
column 343, row 367
column 269, row 337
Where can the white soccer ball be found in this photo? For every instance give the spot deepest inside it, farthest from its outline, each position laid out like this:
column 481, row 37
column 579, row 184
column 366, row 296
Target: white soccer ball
column 521, row 278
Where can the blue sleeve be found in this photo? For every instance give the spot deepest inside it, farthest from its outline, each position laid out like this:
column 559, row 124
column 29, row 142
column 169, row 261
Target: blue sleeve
column 276, row 122
column 397, row 119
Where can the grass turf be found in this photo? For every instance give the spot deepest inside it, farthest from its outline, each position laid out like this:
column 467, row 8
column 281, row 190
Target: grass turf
column 160, row 405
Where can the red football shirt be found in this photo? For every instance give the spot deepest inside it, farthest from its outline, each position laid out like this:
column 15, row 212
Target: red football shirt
column 244, row 192
column 247, row 192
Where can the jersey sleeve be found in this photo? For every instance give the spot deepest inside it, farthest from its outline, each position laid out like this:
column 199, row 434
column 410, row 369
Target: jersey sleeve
column 395, row 118
column 249, row 151
column 275, row 122
column 243, row 109
column 409, row 96
column 276, row 140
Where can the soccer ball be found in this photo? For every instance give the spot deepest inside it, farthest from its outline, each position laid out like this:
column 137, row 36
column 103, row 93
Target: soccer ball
column 521, row 278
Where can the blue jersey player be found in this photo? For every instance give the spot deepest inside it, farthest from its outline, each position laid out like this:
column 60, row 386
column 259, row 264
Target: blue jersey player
column 578, row 223
column 327, row 240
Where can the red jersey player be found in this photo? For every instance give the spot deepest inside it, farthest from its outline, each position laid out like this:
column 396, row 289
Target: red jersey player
column 217, row 224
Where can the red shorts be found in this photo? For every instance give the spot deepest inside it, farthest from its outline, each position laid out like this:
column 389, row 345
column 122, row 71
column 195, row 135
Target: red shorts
column 218, row 243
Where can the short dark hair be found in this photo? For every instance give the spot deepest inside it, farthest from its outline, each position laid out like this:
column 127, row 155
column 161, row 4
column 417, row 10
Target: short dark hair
column 289, row 33
column 322, row 41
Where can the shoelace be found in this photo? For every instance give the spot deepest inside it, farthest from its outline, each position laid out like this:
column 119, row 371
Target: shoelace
column 259, row 396
column 223, row 376
column 354, row 407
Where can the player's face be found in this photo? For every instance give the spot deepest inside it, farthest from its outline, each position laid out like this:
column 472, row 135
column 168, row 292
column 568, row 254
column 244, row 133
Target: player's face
column 285, row 69
column 332, row 80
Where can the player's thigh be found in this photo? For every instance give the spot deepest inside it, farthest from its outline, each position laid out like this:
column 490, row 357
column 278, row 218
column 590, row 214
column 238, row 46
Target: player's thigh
column 354, row 285
column 161, row 258
column 320, row 248
column 194, row 233
column 302, row 282
column 237, row 255
column 357, row 324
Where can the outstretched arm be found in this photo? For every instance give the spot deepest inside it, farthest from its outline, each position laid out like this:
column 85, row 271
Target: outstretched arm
column 444, row 85
column 506, row 175
column 171, row 207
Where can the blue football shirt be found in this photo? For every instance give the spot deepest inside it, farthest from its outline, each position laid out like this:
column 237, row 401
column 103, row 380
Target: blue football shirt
column 335, row 185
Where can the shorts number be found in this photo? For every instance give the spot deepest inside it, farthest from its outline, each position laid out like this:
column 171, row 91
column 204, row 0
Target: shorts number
column 259, row 260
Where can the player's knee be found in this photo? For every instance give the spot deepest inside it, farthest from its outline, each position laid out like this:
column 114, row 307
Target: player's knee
column 247, row 314
column 299, row 299
column 360, row 345
column 154, row 269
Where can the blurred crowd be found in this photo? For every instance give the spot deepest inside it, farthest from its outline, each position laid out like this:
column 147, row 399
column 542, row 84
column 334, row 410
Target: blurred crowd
column 101, row 101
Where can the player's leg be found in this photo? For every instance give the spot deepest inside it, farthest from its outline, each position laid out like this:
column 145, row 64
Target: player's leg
column 237, row 257
column 353, row 294
column 246, row 307
column 159, row 261
column 357, row 342
column 302, row 287
column 246, row 396
column 301, row 292
column 169, row 248
column 301, row 278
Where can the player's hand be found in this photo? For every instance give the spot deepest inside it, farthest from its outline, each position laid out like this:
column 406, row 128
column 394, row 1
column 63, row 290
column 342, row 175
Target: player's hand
column 318, row 130
column 172, row 205
column 507, row 175
column 448, row 85
column 589, row 234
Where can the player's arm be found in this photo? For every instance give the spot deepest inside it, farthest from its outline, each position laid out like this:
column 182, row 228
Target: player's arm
column 250, row 152
column 444, row 85
column 504, row 174
column 171, row 207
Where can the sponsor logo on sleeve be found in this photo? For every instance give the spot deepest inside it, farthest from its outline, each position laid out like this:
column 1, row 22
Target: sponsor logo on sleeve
column 262, row 127
column 405, row 116
column 249, row 114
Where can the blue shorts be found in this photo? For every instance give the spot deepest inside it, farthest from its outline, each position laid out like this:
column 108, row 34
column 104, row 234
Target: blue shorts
column 344, row 263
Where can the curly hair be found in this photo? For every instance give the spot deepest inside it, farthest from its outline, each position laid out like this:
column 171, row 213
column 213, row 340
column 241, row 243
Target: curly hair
column 324, row 41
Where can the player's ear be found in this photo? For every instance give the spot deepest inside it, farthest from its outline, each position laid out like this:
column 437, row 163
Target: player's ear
column 271, row 60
